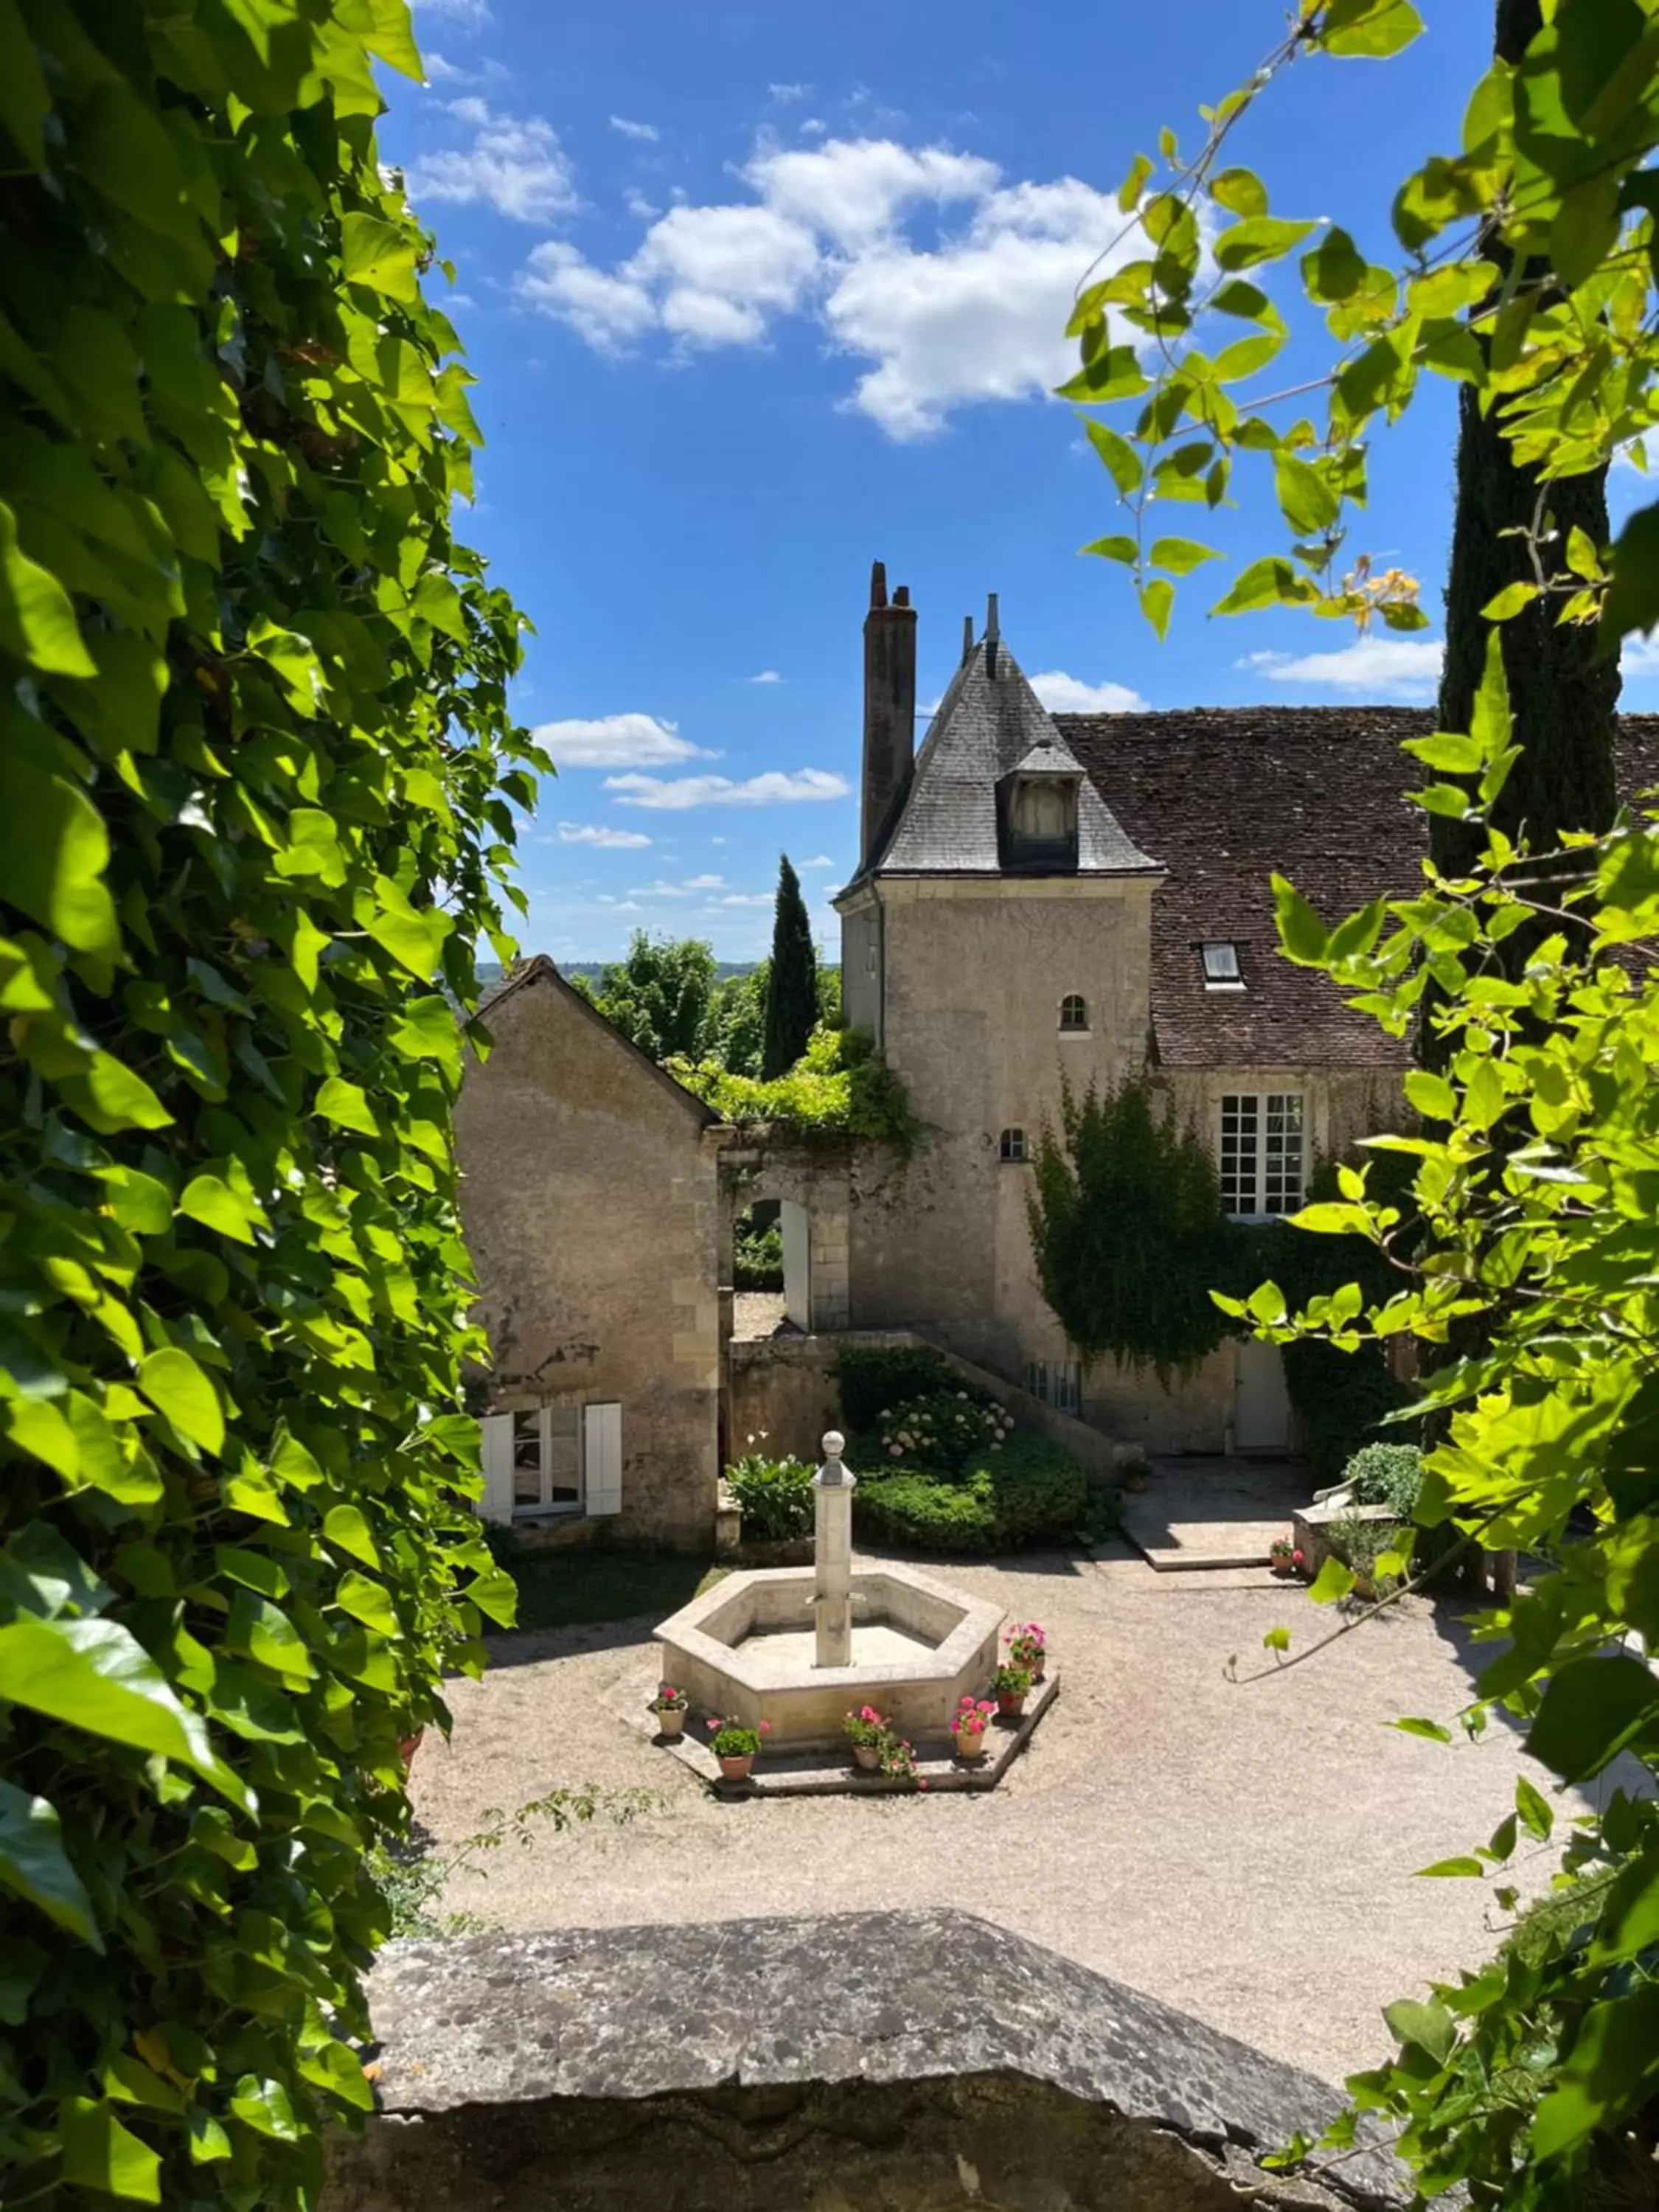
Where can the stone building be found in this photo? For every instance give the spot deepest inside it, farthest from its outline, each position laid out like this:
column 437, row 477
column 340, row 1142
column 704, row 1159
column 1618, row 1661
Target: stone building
column 1050, row 899
column 590, row 1202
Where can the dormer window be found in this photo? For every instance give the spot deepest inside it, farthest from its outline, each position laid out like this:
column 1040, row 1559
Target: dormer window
column 1037, row 809
column 1074, row 1015
column 1221, row 969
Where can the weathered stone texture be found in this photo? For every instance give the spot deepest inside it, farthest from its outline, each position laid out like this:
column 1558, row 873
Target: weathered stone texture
column 917, row 2060
column 590, row 1207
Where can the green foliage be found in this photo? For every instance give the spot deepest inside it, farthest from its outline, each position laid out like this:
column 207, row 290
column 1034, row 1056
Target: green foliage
column 1530, row 1234
column 735, row 1029
column 945, row 1430
column 259, row 785
column 792, row 996
column 1028, row 1492
column 661, row 995
column 874, row 1379
column 775, row 1497
column 1386, row 1474
column 758, row 1257
column 840, row 1087
column 1520, row 268
column 412, row 1876
column 1127, row 1231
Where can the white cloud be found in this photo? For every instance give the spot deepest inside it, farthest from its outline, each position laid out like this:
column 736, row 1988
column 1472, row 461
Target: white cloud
column 1068, row 695
column 705, row 883
column 776, row 787
column 606, row 311
column 818, row 860
column 720, row 841
column 783, row 93
column 618, row 741
column 766, row 675
column 473, row 13
column 967, row 310
column 750, row 898
column 513, row 164
column 439, row 71
column 638, row 206
column 1384, row 668
column 813, row 127
column 659, row 890
column 597, row 833
column 1639, row 657
column 630, row 129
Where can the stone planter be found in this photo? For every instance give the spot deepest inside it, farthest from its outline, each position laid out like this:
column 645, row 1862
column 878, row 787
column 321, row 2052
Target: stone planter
column 671, row 1726
column 970, row 1743
column 737, row 1769
column 867, row 1756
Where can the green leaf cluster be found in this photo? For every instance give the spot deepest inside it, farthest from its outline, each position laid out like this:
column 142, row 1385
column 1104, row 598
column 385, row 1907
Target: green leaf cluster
column 259, row 789
column 1522, row 266
column 1531, row 1233
column 840, row 1086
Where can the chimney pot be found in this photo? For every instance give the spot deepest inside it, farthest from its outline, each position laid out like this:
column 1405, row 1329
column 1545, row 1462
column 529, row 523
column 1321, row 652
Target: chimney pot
column 901, row 596
column 991, row 629
column 889, row 708
column 878, row 583
column 967, row 639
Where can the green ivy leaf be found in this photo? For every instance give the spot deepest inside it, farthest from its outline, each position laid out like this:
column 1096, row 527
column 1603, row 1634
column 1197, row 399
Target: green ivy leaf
column 34, row 1866
column 1370, row 30
column 1180, row 556
column 1257, row 239
column 1333, row 1580
column 1301, row 933
column 37, row 616
column 178, row 1388
column 378, row 255
column 101, row 2153
column 1426, row 2027
column 1431, row 1729
column 1115, row 548
column 1119, row 455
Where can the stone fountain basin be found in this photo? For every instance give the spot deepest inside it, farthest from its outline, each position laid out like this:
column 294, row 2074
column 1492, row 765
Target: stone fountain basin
column 744, row 1650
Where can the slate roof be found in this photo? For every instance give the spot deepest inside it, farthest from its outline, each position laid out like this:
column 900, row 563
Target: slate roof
column 1222, row 796
column 988, row 723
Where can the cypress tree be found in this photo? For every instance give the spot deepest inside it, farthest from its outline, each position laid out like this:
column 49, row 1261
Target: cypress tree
column 792, row 1000
column 1564, row 701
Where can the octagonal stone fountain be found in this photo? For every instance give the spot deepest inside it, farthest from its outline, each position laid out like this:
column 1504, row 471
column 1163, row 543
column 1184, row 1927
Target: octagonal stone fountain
column 796, row 1646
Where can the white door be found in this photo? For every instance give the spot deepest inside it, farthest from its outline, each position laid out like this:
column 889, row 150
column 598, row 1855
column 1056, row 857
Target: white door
column 797, row 1226
column 1261, row 1405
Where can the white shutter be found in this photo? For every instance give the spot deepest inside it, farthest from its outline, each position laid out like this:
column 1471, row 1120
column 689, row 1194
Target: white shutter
column 496, row 1503
column 602, row 1458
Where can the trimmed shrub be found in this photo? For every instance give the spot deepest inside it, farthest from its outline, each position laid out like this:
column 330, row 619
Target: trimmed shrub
column 946, row 1431
column 874, row 1381
column 1030, row 1492
column 775, row 1497
column 1387, row 1474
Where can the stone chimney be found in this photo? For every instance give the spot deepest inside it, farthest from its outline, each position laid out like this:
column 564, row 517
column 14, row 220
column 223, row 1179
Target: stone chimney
column 890, row 705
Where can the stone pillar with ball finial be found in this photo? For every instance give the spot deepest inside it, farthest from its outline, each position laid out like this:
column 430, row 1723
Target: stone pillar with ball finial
column 832, row 1556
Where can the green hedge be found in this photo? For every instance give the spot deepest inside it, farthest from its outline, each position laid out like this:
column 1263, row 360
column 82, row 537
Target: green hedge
column 874, row 1379
column 1031, row 1491
column 258, row 790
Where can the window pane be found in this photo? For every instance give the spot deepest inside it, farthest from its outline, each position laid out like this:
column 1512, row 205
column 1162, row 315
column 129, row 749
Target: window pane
column 1012, row 1145
column 1221, row 962
column 1239, row 1150
column 1282, row 1166
column 1074, row 1011
column 564, row 1470
column 527, row 1459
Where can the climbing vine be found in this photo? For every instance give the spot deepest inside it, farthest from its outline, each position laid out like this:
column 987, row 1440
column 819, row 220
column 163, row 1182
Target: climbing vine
column 257, row 790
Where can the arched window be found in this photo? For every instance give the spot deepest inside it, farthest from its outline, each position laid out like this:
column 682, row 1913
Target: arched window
column 1012, row 1145
column 1074, row 1012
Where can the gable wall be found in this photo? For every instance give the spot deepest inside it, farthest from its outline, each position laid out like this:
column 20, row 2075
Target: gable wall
column 589, row 1208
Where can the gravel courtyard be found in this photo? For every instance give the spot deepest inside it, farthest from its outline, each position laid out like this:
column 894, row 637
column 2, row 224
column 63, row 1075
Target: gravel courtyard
column 1244, row 1851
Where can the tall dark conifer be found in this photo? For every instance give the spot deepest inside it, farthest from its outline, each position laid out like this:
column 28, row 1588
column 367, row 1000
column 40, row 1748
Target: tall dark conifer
column 1564, row 700
column 791, row 1001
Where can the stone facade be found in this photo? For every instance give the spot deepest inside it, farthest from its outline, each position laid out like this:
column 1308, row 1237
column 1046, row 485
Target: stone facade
column 591, row 1201
column 920, row 2062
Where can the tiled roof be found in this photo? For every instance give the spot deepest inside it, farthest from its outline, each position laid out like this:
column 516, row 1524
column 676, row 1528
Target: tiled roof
column 1222, row 797
column 988, row 722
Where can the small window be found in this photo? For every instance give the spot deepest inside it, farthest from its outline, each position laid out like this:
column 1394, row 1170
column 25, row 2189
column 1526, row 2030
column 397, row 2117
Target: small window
column 870, row 957
column 1056, row 1382
column 1074, row 1013
column 1261, row 1152
column 547, row 1459
column 1221, row 970
column 1012, row 1145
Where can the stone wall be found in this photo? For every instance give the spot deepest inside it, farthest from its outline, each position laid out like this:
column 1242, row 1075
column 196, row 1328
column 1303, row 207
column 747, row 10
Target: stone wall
column 916, row 2062
column 589, row 1197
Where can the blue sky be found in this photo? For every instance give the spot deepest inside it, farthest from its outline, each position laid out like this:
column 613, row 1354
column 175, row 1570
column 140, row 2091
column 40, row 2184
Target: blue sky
column 757, row 294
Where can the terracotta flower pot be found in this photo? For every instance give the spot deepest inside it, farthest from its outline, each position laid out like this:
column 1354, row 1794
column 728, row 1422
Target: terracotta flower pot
column 1011, row 1705
column 868, row 1756
column 737, row 1769
column 671, row 1726
column 408, row 1746
column 970, row 1743
column 1283, row 1568
column 1364, row 1589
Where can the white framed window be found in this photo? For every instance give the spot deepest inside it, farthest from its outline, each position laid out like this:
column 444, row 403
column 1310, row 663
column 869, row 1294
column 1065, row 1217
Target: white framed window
column 543, row 1463
column 1012, row 1146
column 1074, row 1014
column 1056, row 1382
column 1262, row 1155
column 1221, row 968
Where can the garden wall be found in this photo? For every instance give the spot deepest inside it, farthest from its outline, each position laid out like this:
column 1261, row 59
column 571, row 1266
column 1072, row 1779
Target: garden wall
column 917, row 2061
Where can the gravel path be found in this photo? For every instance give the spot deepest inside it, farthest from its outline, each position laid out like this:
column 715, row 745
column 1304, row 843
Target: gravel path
column 1244, row 1852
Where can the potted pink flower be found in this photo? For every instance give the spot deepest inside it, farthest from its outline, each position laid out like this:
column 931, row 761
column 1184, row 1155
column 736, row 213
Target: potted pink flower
column 968, row 1725
column 1283, row 1558
column 669, row 1706
column 868, row 1733
column 1028, row 1647
column 736, row 1746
